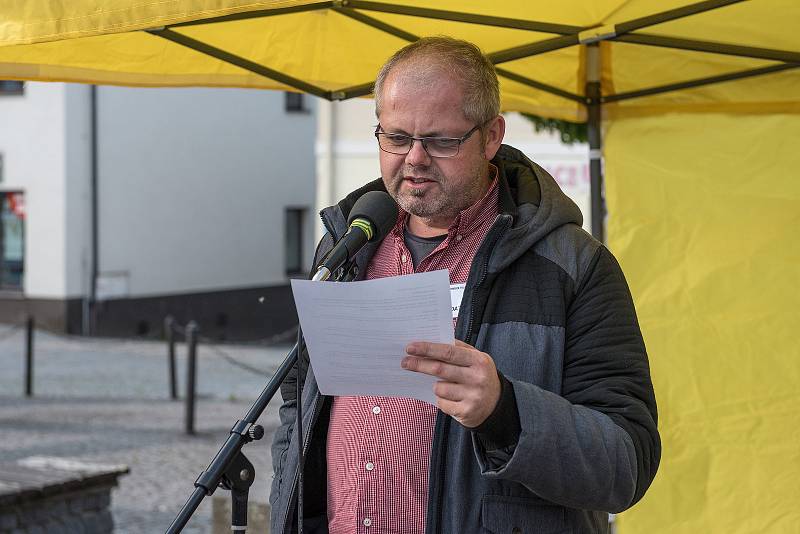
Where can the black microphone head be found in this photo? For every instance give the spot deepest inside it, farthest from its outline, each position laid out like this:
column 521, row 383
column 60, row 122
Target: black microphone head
column 379, row 209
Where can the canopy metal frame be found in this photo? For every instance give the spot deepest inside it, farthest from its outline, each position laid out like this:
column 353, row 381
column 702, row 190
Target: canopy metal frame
column 565, row 36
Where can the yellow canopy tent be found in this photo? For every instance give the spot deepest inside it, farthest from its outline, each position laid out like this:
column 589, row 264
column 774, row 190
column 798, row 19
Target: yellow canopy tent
column 702, row 110
column 332, row 49
column 556, row 59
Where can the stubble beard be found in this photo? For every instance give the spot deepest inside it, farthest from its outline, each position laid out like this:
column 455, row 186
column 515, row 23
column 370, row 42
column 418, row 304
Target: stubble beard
column 443, row 202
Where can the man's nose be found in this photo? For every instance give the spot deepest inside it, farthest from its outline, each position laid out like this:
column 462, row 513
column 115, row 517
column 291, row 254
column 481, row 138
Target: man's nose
column 417, row 156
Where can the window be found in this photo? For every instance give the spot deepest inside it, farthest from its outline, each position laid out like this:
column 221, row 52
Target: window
column 293, row 235
column 12, row 232
column 11, row 87
column 295, row 103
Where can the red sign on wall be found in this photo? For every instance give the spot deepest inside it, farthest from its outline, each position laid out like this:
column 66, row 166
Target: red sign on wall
column 16, row 203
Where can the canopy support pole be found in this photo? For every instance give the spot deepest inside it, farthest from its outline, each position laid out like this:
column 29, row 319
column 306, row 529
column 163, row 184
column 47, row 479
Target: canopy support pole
column 699, row 82
column 410, row 37
column 255, row 14
column 533, row 49
column 470, row 18
column 594, row 115
column 695, row 45
column 241, row 62
column 539, row 85
column 673, row 14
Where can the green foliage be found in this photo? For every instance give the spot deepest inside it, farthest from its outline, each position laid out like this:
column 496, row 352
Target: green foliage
column 570, row 132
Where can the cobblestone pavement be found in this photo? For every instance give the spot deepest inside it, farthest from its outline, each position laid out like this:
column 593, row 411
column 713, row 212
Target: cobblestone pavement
column 107, row 401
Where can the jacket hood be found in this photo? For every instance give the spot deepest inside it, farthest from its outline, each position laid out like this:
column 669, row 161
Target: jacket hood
column 535, row 202
column 528, row 195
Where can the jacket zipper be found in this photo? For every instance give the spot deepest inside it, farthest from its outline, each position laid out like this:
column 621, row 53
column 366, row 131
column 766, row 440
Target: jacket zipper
column 306, row 441
column 481, row 280
column 467, row 339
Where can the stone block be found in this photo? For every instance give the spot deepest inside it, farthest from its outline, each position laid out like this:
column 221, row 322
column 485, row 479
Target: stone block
column 8, row 520
column 56, row 508
column 47, row 495
column 56, row 527
column 91, row 520
column 105, row 521
column 74, row 524
column 44, row 511
column 77, row 504
column 97, row 500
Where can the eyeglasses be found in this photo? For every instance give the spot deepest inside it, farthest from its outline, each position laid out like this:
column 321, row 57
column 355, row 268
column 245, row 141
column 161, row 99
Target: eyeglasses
column 436, row 147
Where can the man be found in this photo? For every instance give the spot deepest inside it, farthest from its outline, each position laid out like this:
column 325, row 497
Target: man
column 545, row 418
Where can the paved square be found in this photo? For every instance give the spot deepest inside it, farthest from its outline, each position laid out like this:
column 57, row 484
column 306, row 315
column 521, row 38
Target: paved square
column 107, row 401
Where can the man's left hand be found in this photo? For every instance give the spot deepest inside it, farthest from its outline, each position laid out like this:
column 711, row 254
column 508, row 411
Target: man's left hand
column 468, row 388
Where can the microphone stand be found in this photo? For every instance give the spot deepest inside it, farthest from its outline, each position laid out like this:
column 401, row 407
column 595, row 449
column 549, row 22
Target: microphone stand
column 230, row 468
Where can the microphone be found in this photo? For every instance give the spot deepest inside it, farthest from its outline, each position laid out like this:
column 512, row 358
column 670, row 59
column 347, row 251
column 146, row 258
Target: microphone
column 372, row 216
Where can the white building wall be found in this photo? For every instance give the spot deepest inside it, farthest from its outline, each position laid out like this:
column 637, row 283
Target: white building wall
column 568, row 164
column 32, row 130
column 77, row 195
column 348, row 153
column 193, row 183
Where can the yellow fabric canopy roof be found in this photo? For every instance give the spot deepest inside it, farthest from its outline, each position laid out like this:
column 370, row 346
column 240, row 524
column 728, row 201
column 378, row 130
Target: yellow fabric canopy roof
column 333, row 49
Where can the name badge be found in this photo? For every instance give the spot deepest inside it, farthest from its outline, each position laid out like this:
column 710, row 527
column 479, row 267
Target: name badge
column 456, row 294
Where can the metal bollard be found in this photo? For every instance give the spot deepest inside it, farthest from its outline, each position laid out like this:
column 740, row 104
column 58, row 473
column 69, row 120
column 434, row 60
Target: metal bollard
column 191, row 374
column 169, row 334
column 29, row 327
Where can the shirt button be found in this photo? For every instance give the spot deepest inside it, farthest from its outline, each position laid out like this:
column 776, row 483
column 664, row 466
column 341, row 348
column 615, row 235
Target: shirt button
column 367, row 522
column 459, row 237
column 403, row 258
column 376, row 410
column 370, row 466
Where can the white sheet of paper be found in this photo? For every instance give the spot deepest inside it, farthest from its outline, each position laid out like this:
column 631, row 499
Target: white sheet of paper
column 357, row 332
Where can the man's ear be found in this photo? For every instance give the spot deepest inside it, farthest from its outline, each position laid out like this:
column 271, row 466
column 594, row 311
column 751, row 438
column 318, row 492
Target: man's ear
column 493, row 135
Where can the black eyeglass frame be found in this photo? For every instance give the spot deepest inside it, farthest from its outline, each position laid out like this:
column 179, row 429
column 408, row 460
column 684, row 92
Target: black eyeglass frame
column 424, row 141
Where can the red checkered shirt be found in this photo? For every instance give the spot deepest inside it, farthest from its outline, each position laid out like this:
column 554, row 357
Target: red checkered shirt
column 379, row 447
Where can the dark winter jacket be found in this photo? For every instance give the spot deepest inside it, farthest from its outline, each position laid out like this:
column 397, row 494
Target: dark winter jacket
column 551, row 306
